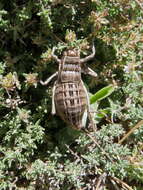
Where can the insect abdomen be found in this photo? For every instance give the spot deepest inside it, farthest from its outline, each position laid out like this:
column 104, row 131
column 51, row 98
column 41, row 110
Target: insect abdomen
column 71, row 102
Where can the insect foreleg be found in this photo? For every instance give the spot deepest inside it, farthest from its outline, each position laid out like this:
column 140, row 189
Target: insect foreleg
column 54, row 56
column 49, row 79
column 90, row 56
column 89, row 71
column 53, row 100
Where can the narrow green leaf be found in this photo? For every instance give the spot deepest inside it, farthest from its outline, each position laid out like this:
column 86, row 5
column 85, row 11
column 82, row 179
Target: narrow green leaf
column 101, row 94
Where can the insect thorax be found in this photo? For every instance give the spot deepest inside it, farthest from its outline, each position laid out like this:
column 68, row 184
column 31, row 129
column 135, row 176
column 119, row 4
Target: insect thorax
column 70, row 69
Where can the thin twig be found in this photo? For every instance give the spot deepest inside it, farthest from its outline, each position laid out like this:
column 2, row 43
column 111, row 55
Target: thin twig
column 73, row 153
column 139, row 124
column 114, row 184
column 100, row 179
column 98, row 145
column 121, row 182
column 139, row 4
column 56, row 37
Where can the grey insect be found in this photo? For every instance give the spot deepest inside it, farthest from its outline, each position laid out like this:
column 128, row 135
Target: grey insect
column 69, row 95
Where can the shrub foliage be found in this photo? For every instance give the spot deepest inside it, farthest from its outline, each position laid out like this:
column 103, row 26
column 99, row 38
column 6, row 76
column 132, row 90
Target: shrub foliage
column 39, row 151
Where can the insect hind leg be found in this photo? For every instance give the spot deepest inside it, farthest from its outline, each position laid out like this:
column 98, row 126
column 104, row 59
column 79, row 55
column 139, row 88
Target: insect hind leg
column 92, row 124
column 53, row 100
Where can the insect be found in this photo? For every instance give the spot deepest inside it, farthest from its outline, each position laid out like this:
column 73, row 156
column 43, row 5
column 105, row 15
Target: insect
column 69, row 95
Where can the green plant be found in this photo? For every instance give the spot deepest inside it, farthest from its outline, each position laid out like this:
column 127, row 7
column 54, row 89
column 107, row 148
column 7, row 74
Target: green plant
column 39, row 151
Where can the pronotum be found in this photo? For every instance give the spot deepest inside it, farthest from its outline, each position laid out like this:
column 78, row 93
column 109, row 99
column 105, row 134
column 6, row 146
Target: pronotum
column 69, row 95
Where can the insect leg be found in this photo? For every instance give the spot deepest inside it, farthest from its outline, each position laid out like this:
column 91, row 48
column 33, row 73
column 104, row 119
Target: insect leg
column 92, row 124
column 90, row 56
column 89, row 71
column 54, row 56
column 49, row 79
column 53, row 100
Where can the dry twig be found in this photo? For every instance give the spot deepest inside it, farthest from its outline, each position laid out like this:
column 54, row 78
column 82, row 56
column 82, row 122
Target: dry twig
column 119, row 181
column 98, row 146
column 138, row 2
column 100, row 180
column 139, row 124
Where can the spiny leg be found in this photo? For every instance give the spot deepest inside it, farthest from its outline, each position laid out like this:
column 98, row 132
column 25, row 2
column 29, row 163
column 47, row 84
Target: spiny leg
column 49, row 79
column 90, row 56
column 53, row 100
column 54, row 56
column 89, row 71
column 84, row 118
column 92, row 124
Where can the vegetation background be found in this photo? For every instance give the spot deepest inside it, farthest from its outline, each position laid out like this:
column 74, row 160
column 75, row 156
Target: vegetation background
column 39, row 151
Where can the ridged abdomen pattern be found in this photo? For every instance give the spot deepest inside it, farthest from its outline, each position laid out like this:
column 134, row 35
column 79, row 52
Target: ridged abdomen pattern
column 71, row 102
